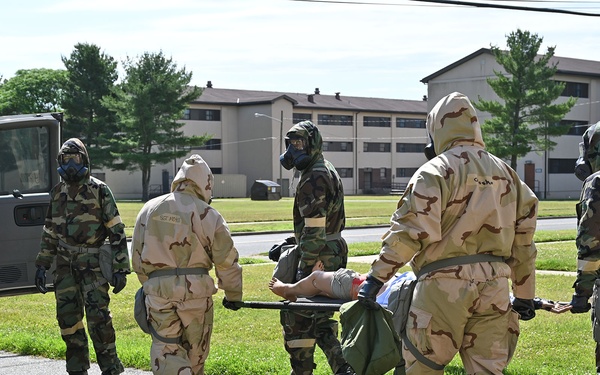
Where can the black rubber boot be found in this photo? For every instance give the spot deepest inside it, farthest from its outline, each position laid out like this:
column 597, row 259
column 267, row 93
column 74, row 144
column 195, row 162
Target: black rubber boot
column 345, row 370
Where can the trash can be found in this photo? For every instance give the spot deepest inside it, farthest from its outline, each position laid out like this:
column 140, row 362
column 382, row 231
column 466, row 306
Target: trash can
column 265, row 190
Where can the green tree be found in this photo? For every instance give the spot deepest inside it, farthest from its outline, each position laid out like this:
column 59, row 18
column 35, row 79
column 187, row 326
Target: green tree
column 150, row 103
column 527, row 118
column 33, row 91
column 91, row 76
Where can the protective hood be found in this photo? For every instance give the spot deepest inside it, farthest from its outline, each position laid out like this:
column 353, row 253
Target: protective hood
column 589, row 152
column 311, row 134
column 74, row 146
column 453, row 121
column 195, row 177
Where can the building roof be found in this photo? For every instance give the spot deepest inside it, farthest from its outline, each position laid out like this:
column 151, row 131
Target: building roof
column 315, row 100
column 566, row 65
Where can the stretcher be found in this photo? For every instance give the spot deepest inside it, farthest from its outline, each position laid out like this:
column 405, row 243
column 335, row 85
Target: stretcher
column 322, row 303
column 316, row 303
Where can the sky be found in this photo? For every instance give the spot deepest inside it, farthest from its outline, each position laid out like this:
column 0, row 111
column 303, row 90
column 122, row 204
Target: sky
column 378, row 49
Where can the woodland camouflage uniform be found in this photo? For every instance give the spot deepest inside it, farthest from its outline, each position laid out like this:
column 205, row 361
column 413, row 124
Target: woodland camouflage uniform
column 465, row 201
column 181, row 230
column 84, row 214
column 319, row 218
column 588, row 232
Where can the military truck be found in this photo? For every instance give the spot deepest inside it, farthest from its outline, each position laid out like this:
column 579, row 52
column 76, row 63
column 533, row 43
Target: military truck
column 29, row 146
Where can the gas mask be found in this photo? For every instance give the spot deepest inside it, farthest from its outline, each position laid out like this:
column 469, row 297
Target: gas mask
column 583, row 168
column 429, row 149
column 296, row 154
column 71, row 167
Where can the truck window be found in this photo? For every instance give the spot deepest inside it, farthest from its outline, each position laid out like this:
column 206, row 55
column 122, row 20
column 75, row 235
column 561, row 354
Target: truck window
column 25, row 156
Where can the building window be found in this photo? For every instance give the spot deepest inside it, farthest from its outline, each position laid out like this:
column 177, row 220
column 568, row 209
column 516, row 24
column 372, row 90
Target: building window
column 405, row 172
column 298, row 117
column 380, row 122
column 561, row 166
column 335, row 120
column 576, row 127
column 211, row 144
column 202, row 114
column 345, row 172
column 410, row 147
column 376, row 147
column 576, row 89
column 337, row 146
column 410, row 123
column 383, row 173
column 216, row 170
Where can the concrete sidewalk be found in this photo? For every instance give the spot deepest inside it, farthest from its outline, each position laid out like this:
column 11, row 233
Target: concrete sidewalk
column 16, row 364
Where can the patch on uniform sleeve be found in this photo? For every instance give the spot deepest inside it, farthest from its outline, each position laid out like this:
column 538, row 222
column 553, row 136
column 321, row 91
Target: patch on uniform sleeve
column 168, row 218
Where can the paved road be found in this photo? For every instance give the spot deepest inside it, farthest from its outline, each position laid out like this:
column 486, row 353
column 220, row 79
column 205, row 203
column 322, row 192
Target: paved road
column 254, row 244
column 14, row 364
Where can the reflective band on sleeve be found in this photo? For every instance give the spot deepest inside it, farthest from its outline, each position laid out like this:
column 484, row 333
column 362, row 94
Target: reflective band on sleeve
column 301, row 343
column 314, row 222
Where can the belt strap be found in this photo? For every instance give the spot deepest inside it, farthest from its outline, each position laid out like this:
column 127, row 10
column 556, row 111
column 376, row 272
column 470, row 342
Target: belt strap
column 78, row 249
column 465, row 259
column 179, row 272
column 333, row 236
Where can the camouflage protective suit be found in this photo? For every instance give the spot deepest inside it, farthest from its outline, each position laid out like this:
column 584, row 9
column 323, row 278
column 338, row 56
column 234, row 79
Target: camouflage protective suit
column 83, row 214
column 465, row 201
column 319, row 219
column 181, row 230
column 588, row 231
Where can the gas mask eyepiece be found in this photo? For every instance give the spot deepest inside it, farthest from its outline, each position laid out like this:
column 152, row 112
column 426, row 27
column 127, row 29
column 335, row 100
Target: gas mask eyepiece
column 583, row 169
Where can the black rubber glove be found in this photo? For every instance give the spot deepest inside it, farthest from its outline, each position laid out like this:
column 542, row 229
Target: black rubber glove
column 119, row 280
column 524, row 307
column 367, row 295
column 301, row 274
column 40, row 279
column 580, row 304
column 231, row 305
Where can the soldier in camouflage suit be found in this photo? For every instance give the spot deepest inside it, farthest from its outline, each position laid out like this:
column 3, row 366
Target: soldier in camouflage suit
column 181, row 232
column 82, row 214
column 319, row 219
column 588, row 231
column 463, row 202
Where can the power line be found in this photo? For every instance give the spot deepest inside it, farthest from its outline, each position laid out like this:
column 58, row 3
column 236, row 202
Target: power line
column 468, row 4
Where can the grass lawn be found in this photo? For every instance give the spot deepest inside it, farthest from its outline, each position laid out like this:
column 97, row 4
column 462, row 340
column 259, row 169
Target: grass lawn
column 249, row 341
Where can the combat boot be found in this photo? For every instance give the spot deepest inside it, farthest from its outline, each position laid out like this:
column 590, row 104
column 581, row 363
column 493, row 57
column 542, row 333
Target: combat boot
column 84, row 372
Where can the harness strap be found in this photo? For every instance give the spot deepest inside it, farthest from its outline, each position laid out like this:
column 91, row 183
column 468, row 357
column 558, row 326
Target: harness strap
column 78, row 249
column 466, row 259
column 179, row 272
column 333, row 236
column 95, row 284
column 174, row 340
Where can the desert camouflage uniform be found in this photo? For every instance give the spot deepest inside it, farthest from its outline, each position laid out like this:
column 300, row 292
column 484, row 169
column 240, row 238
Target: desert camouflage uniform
column 181, row 230
column 465, row 201
column 318, row 215
column 588, row 231
column 84, row 214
